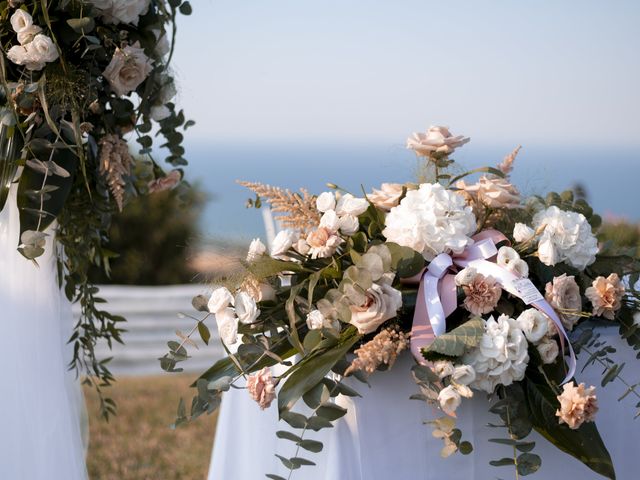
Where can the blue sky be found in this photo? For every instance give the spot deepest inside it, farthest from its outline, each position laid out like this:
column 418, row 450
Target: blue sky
column 368, row 71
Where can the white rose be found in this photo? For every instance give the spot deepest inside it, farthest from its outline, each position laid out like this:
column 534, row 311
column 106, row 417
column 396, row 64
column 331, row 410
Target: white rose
column 168, row 90
column 382, row 303
column 523, row 233
column 349, row 224
column 506, row 255
column 227, row 326
column 449, row 399
column 465, row 276
column 27, row 34
column 246, row 308
column 463, row 390
column 436, row 139
column 519, row 267
column 315, row 320
column 350, row 205
column 256, row 250
column 283, row 242
column 326, row 201
column 548, row 350
column 443, row 368
column 159, row 112
column 42, row 48
column 330, row 220
column 302, row 247
column 533, row 324
column 20, row 56
column 463, row 374
column 21, row 20
column 220, row 299
column 129, row 67
column 122, row 11
column 163, row 47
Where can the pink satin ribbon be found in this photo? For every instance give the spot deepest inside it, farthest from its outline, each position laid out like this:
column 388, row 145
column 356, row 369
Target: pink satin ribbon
column 437, row 293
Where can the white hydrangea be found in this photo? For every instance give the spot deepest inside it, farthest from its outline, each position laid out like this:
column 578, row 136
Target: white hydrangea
column 566, row 237
column 431, row 220
column 502, row 356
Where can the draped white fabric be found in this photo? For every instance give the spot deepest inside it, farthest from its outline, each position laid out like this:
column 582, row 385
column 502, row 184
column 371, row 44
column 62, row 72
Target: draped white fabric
column 40, row 403
column 383, row 435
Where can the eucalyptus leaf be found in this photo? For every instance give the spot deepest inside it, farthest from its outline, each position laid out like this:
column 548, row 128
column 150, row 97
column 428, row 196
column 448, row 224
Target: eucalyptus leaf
column 455, row 342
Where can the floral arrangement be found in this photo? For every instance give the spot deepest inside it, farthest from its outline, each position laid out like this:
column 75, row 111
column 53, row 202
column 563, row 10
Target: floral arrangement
column 492, row 293
column 79, row 78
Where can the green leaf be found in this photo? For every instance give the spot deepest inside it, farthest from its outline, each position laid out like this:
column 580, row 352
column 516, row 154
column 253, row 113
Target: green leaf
column 293, row 317
column 275, row 477
column 317, row 423
column 311, row 445
column 405, row 261
column 288, row 436
column 204, row 332
column 331, row 411
column 612, row 374
column 528, row 463
column 311, row 370
column 298, row 461
column 186, row 9
column 200, row 303
column 316, row 396
column 491, row 170
column 81, row 25
column 503, row 462
column 585, row 443
column 296, row 420
column 455, row 342
column 465, row 448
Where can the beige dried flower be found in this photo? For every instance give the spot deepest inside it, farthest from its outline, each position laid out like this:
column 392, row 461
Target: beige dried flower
column 563, row 294
column 262, row 387
column 297, row 211
column 506, row 166
column 606, row 295
column 481, row 294
column 577, row 405
column 258, row 290
column 382, row 349
column 115, row 165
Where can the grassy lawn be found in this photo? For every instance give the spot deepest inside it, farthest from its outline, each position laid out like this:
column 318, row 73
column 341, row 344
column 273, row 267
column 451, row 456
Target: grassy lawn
column 138, row 443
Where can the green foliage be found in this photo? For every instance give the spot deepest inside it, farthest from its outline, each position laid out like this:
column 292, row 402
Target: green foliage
column 153, row 238
column 455, row 342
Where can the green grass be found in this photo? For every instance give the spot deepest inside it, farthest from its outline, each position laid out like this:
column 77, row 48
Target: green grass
column 138, row 443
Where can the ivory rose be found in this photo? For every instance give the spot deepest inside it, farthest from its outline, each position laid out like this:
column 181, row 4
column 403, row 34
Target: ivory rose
column 449, row 399
column 443, row 368
column 129, row 67
column 493, row 192
column 220, row 299
column 387, row 196
column 533, row 324
column 435, row 140
column 227, row 325
column 283, row 242
column 381, row 304
column 246, row 308
column 349, row 205
column 523, row 233
column 256, row 250
column 326, row 201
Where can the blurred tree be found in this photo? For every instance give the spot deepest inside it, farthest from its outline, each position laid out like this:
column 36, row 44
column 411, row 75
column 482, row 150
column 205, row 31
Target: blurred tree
column 622, row 235
column 153, row 237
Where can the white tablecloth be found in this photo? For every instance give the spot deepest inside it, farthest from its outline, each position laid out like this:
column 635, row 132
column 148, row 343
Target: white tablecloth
column 383, row 435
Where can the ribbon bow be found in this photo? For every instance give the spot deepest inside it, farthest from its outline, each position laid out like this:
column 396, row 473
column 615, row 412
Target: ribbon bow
column 437, row 293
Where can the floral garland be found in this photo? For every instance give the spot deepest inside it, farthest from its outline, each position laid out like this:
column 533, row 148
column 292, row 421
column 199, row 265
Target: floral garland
column 492, row 293
column 78, row 77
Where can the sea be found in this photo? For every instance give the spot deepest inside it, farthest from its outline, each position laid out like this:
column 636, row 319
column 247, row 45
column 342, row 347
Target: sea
column 610, row 176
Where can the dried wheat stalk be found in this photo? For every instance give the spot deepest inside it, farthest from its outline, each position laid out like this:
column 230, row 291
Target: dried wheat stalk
column 115, row 165
column 507, row 164
column 295, row 210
